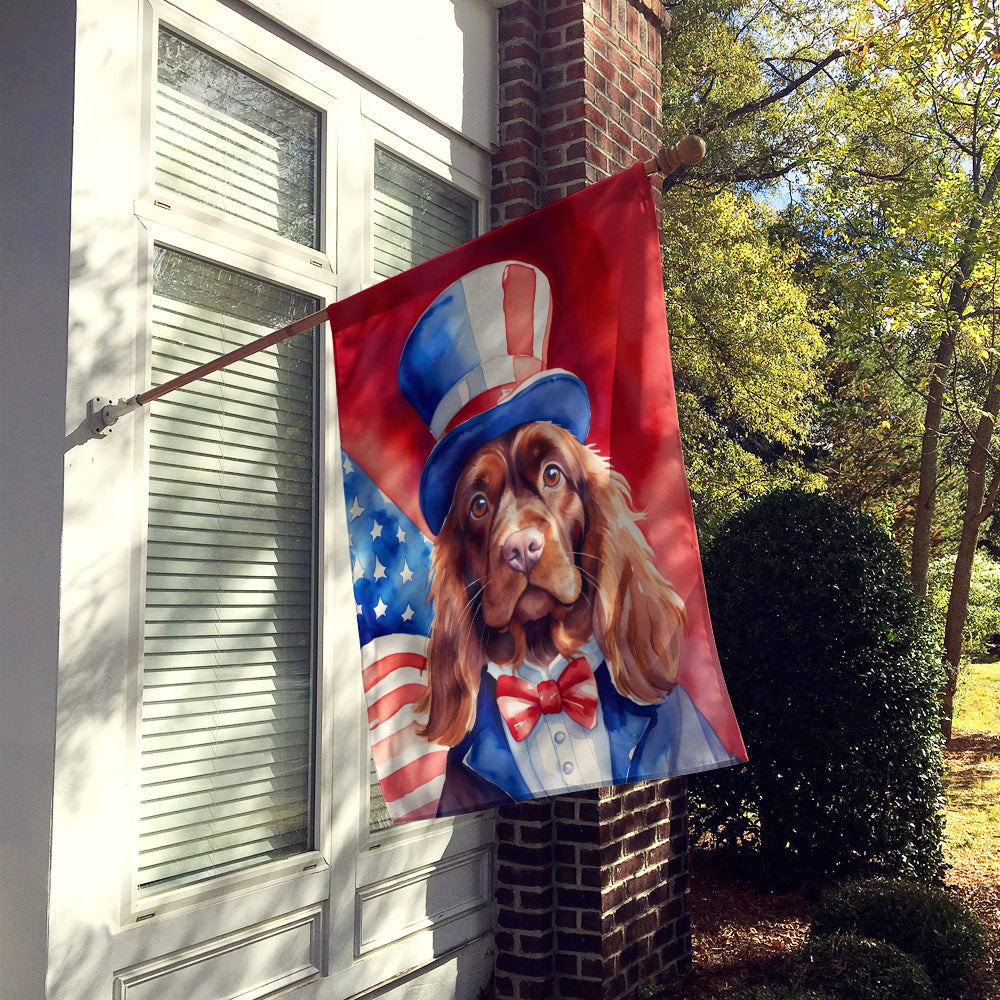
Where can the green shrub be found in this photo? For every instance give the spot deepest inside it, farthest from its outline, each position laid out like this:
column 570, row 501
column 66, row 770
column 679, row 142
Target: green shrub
column 925, row 922
column 982, row 620
column 833, row 673
column 855, row 968
column 782, row 993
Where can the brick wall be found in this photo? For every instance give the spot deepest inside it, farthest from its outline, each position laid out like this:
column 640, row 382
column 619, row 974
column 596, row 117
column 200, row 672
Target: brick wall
column 591, row 893
column 591, row 889
column 579, row 96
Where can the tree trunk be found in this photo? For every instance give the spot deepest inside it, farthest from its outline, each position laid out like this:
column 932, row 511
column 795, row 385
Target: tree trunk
column 920, row 553
column 958, row 299
column 980, row 499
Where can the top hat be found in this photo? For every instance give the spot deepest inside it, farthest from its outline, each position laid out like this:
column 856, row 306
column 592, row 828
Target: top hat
column 474, row 366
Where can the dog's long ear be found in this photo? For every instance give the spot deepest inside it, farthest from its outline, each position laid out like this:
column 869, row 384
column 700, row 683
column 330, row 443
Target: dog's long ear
column 639, row 620
column 455, row 656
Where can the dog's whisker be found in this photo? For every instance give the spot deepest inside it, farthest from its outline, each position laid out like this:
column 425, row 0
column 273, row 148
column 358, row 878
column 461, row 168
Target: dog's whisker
column 470, row 605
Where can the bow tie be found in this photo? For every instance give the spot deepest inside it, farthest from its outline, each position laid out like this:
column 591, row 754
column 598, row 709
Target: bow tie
column 575, row 693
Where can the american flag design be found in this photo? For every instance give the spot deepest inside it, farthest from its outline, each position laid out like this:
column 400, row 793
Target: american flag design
column 390, row 564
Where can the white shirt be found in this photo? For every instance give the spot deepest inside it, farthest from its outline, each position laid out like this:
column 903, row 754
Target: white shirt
column 560, row 755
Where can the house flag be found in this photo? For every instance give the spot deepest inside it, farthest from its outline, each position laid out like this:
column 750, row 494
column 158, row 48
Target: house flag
column 528, row 588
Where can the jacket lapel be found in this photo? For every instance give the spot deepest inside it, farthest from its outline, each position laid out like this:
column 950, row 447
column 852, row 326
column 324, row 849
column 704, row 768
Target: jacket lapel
column 627, row 724
column 486, row 750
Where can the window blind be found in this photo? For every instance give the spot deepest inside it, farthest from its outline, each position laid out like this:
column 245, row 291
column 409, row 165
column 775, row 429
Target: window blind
column 228, row 653
column 225, row 139
column 416, row 216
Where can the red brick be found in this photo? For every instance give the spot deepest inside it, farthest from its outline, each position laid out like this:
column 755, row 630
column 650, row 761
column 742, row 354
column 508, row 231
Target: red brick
column 563, row 53
column 599, row 97
column 522, row 110
column 532, row 899
column 518, row 49
column 520, row 130
column 551, row 39
column 523, row 91
column 581, row 989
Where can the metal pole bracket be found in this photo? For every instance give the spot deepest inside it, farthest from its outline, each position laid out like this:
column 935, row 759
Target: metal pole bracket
column 103, row 413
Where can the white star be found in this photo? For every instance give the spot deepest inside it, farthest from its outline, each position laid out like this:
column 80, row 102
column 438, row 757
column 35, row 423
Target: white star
column 359, row 570
column 380, row 608
column 348, row 468
column 356, row 510
column 376, row 531
column 408, row 613
column 406, row 573
column 379, row 570
column 357, row 609
column 401, row 535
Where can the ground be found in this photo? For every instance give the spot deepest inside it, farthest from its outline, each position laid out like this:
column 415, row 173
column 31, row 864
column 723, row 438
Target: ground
column 742, row 935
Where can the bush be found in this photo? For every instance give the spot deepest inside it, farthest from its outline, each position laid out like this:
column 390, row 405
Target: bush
column 925, row 922
column 982, row 620
column 833, row 673
column 781, row 993
column 855, row 968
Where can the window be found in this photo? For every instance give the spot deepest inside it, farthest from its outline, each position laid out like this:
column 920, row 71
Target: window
column 252, row 804
column 227, row 140
column 416, row 216
column 210, row 830
column 229, row 646
column 227, row 707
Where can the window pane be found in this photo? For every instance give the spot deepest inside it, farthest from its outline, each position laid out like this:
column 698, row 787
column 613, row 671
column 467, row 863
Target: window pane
column 228, row 657
column 416, row 216
column 228, row 140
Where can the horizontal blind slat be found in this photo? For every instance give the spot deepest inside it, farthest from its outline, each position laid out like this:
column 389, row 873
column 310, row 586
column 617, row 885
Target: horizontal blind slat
column 228, row 646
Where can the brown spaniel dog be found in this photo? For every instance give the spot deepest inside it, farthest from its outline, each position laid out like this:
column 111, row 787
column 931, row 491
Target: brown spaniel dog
column 540, row 551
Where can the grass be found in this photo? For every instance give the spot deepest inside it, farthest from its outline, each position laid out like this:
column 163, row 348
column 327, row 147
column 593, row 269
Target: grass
column 972, row 848
column 973, row 784
column 978, row 698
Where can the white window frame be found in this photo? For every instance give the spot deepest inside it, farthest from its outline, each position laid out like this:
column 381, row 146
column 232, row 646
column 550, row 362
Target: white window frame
column 351, row 876
column 180, row 224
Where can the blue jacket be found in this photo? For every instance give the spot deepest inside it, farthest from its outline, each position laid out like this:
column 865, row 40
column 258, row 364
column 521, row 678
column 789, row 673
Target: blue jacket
column 647, row 742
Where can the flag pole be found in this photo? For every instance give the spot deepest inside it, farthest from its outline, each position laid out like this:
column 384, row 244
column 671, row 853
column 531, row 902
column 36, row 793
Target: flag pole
column 103, row 414
column 687, row 152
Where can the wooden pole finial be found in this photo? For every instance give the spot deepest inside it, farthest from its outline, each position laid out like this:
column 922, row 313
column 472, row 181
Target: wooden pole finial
column 668, row 158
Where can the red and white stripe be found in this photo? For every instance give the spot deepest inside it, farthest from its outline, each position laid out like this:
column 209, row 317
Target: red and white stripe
column 509, row 308
column 410, row 770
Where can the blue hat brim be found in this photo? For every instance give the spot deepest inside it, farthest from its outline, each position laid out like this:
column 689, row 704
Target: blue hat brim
column 554, row 396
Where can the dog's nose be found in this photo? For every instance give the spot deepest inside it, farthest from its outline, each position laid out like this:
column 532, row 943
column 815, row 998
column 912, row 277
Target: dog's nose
column 523, row 548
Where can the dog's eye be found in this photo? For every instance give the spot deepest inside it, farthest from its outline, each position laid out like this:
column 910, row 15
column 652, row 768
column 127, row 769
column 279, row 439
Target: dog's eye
column 552, row 476
column 479, row 507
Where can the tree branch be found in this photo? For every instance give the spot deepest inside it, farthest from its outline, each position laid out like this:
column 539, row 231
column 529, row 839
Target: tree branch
column 754, row 106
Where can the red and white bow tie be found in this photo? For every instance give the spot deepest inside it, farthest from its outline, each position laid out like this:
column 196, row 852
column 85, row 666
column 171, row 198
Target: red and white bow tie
column 521, row 703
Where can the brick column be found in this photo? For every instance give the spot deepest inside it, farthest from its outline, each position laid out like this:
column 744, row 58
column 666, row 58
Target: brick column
column 579, row 96
column 591, row 889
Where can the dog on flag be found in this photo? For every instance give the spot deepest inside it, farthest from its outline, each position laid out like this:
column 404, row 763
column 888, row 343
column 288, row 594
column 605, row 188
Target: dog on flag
column 555, row 645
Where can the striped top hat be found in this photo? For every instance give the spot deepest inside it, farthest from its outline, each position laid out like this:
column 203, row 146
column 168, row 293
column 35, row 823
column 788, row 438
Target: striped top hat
column 474, row 366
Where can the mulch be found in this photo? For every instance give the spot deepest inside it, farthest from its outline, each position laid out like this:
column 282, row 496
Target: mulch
column 743, row 934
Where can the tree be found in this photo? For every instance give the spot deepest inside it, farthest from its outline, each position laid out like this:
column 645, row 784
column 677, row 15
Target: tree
column 747, row 357
column 913, row 185
column 746, row 76
column 747, row 352
column 879, row 123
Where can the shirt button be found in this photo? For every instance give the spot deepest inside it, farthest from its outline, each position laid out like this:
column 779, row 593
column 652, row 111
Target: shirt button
column 560, row 737
column 567, row 768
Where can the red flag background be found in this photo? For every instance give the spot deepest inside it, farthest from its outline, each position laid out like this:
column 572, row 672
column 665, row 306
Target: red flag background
column 600, row 250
